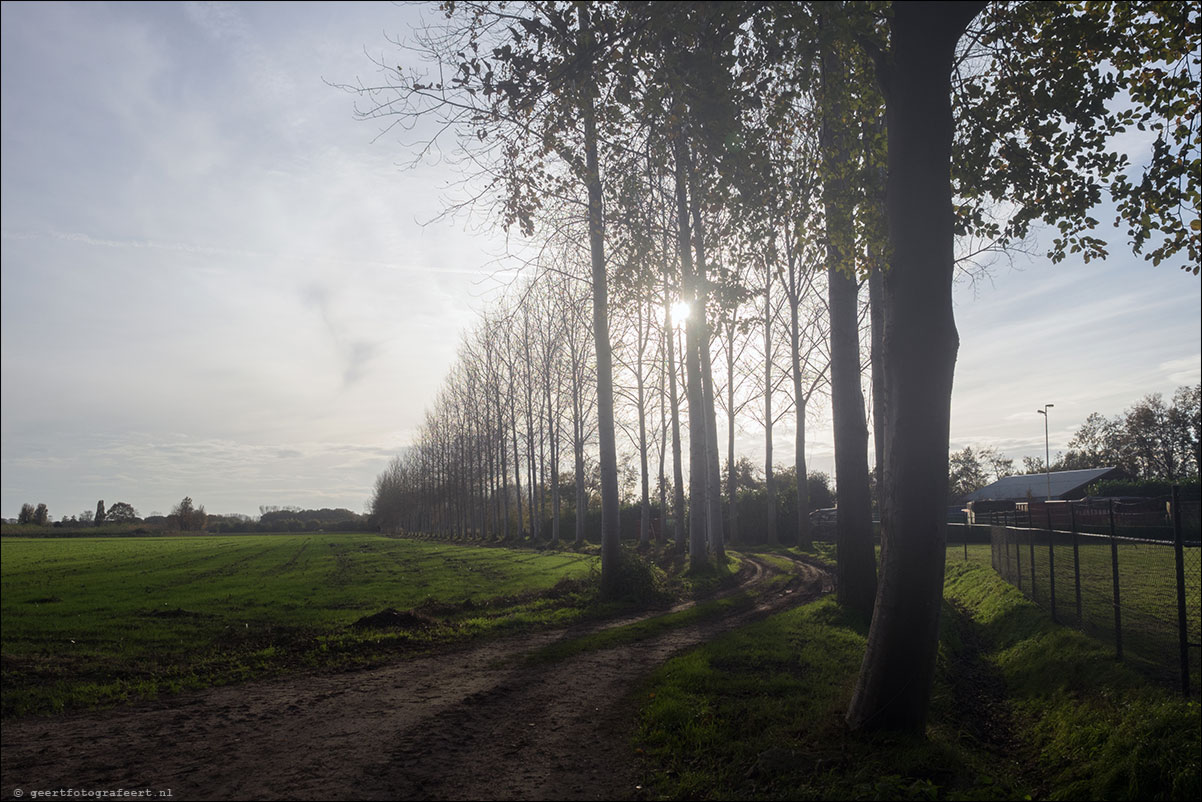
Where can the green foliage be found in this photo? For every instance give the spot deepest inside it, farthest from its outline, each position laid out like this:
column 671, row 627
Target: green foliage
column 1145, row 488
column 753, row 502
column 1152, row 439
column 121, row 513
column 637, row 580
column 1040, row 114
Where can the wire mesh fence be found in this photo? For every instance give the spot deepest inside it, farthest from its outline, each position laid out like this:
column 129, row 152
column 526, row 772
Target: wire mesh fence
column 1142, row 593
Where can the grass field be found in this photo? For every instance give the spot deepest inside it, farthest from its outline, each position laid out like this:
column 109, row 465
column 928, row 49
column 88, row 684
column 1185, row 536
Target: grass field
column 98, row 620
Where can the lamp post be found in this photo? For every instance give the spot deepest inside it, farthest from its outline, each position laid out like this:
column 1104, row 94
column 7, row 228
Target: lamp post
column 1047, row 453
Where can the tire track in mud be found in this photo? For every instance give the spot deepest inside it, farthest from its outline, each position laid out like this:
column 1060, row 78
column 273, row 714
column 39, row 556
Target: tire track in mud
column 477, row 722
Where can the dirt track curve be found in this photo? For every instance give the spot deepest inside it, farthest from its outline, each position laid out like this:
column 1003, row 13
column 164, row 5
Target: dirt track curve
column 473, row 723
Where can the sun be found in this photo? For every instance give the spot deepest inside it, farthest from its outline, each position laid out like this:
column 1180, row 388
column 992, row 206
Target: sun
column 679, row 311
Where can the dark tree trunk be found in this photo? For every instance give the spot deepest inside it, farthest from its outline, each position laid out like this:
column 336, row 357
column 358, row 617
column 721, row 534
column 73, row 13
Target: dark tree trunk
column 504, row 460
column 732, row 481
column 608, row 452
column 641, row 392
column 804, row 537
column 698, row 438
column 677, row 468
column 578, row 435
column 517, row 464
column 553, row 425
column 662, row 533
column 894, row 687
column 856, row 562
column 713, row 477
column 769, row 477
column 876, row 311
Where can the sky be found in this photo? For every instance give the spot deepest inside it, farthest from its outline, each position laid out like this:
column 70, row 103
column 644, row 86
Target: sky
column 217, row 282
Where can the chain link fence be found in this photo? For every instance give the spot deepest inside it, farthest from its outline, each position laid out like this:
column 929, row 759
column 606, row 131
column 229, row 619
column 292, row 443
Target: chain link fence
column 1144, row 593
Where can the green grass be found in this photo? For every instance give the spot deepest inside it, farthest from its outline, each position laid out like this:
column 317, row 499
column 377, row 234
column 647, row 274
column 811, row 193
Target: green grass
column 92, row 621
column 1147, row 596
column 757, row 714
column 1097, row 728
column 657, row 625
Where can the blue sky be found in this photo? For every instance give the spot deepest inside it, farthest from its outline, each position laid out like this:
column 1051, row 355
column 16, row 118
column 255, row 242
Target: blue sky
column 216, row 284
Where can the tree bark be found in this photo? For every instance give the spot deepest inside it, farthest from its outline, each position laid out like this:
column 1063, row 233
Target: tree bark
column 876, row 311
column 608, row 453
column 713, row 477
column 894, row 687
column 732, row 482
column 856, row 560
column 578, row 433
column 804, row 538
column 769, row 476
column 698, row 437
column 642, row 320
column 677, row 469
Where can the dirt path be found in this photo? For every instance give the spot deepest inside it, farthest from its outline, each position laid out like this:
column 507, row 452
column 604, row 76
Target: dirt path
column 477, row 723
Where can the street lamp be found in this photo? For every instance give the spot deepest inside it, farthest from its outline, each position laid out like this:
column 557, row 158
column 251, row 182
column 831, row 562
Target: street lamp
column 1047, row 454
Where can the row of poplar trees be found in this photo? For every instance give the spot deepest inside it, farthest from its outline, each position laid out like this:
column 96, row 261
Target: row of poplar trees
column 708, row 151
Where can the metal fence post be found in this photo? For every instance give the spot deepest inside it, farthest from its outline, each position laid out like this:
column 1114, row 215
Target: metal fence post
column 1009, row 564
column 1072, row 513
column 1178, row 549
column 1031, row 550
column 1018, row 557
column 1114, row 571
column 1017, row 567
column 1051, row 569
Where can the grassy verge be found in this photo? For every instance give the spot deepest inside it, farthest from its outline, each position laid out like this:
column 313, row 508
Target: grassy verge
column 1021, row 709
column 1097, row 729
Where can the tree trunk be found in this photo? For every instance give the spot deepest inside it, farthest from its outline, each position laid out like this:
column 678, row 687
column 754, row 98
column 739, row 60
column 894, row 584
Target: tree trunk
column 804, row 538
column 769, row 476
column 856, row 561
column 698, row 439
column 504, row 461
column 553, row 425
column 608, row 453
column 894, row 687
column 578, row 438
column 732, row 476
column 677, row 468
column 713, row 478
column 662, row 532
column 517, row 465
column 641, row 391
column 876, row 311
column 581, row 497
column 531, row 457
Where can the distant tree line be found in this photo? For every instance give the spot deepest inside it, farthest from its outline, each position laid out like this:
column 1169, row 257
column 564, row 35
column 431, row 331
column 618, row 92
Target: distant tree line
column 293, row 519
column 187, row 516
column 1151, row 440
column 1156, row 443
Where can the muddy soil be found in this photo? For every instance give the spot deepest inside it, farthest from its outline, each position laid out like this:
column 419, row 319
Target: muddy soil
column 471, row 723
